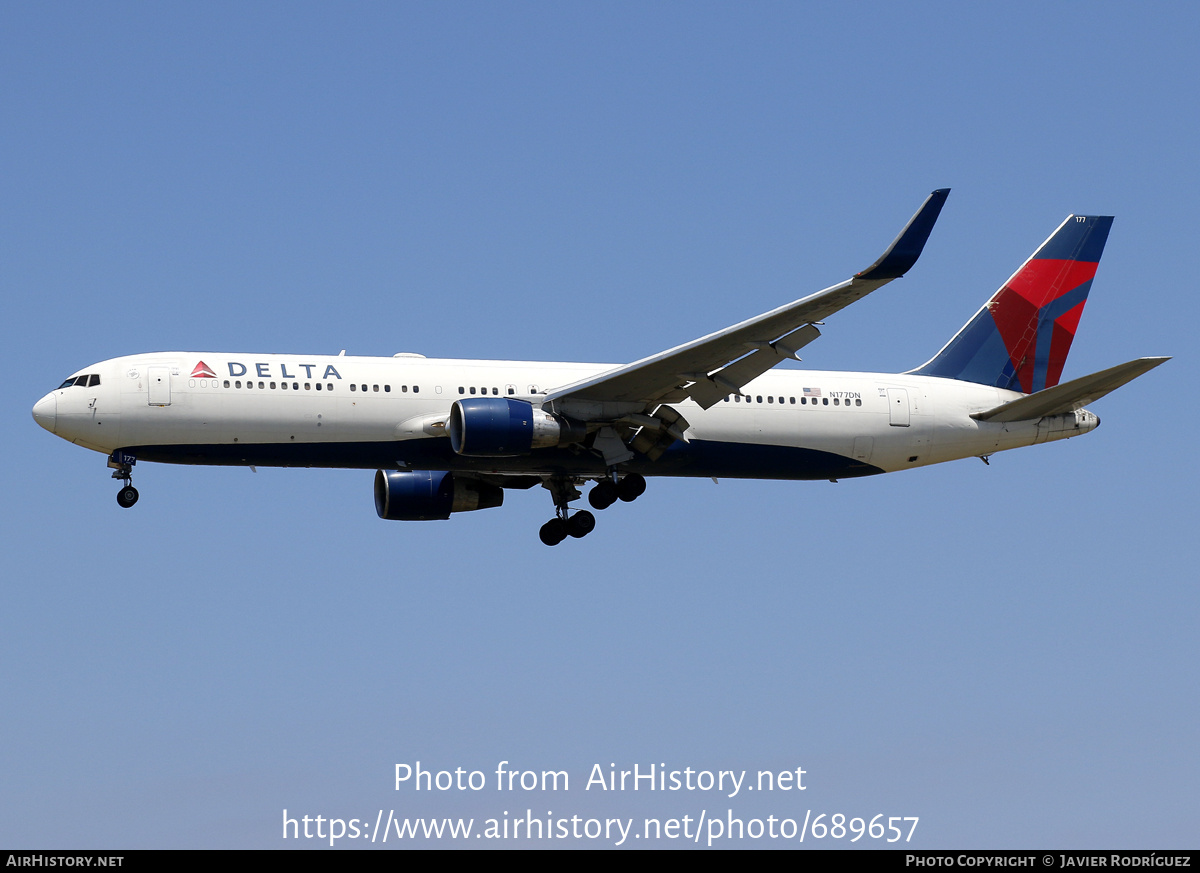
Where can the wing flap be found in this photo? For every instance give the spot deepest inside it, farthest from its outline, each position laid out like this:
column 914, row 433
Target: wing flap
column 1070, row 396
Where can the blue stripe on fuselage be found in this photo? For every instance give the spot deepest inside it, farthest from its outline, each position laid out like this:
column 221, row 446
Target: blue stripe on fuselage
column 699, row 458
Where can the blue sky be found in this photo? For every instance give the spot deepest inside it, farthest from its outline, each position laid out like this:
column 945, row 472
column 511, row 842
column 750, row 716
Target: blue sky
column 1007, row 652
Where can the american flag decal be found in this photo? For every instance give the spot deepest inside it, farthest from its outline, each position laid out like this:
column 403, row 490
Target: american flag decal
column 812, row 392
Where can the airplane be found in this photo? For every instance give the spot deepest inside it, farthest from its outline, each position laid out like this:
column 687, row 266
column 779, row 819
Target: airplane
column 448, row 436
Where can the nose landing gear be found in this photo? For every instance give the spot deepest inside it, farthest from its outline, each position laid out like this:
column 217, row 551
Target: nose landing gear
column 122, row 467
column 127, row 496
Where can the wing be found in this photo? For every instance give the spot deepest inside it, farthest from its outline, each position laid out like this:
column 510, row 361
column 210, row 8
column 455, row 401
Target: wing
column 709, row 368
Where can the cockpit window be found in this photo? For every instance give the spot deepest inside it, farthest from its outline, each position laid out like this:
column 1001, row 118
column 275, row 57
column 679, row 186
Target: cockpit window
column 86, row 380
column 67, row 384
column 93, row 380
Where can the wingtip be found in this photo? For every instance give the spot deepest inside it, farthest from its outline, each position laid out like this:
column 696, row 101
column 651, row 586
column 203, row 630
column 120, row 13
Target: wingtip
column 907, row 247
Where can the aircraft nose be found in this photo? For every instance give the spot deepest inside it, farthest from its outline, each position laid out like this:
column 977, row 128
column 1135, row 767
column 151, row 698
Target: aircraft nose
column 45, row 412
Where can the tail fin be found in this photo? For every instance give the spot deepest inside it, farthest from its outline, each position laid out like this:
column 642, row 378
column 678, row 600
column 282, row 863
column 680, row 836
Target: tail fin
column 1021, row 336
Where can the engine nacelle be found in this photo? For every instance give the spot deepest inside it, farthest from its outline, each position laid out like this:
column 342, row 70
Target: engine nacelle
column 421, row 495
column 498, row 427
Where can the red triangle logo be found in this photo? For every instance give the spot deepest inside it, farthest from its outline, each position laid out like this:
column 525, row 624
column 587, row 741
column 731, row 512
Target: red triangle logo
column 203, row 371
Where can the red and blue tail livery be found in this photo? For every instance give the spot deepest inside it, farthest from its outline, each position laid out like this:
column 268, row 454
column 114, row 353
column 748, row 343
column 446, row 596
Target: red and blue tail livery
column 1020, row 338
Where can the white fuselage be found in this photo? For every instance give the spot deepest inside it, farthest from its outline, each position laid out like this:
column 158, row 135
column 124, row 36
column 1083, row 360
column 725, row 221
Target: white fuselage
column 367, row 412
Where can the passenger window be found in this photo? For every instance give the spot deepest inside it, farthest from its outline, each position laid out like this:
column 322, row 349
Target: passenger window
column 352, row 386
column 472, row 389
column 272, row 386
column 387, row 388
column 770, row 400
column 307, row 386
column 416, row 389
column 318, row 386
column 375, row 388
column 858, row 401
column 824, row 401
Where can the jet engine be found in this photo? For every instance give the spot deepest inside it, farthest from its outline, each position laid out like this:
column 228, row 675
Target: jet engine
column 421, row 495
column 497, row 427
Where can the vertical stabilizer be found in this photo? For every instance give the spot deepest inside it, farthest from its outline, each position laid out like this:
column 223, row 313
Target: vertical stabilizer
column 1020, row 338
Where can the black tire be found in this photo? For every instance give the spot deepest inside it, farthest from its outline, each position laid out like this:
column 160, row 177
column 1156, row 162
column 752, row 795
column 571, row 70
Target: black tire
column 127, row 496
column 603, row 495
column 581, row 524
column 553, row 532
column 631, row 487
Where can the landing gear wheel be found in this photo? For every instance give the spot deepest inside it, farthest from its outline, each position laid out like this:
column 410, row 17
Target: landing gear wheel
column 127, row 496
column 631, row 487
column 603, row 495
column 554, row 531
column 581, row 524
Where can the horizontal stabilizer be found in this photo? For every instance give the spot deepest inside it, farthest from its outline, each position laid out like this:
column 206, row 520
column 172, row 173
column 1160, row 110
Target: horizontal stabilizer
column 1070, row 396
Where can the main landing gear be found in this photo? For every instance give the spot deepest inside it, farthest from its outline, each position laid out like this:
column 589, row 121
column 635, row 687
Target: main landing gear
column 122, row 466
column 581, row 522
column 608, row 491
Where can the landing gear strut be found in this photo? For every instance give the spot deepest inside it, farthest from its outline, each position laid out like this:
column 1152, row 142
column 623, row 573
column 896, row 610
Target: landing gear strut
column 581, row 523
column 565, row 523
column 122, row 467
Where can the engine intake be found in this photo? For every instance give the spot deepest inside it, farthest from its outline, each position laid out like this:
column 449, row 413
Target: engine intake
column 423, row 495
column 497, row 427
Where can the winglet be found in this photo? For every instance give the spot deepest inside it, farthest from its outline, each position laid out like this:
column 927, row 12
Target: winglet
column 907, row 247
